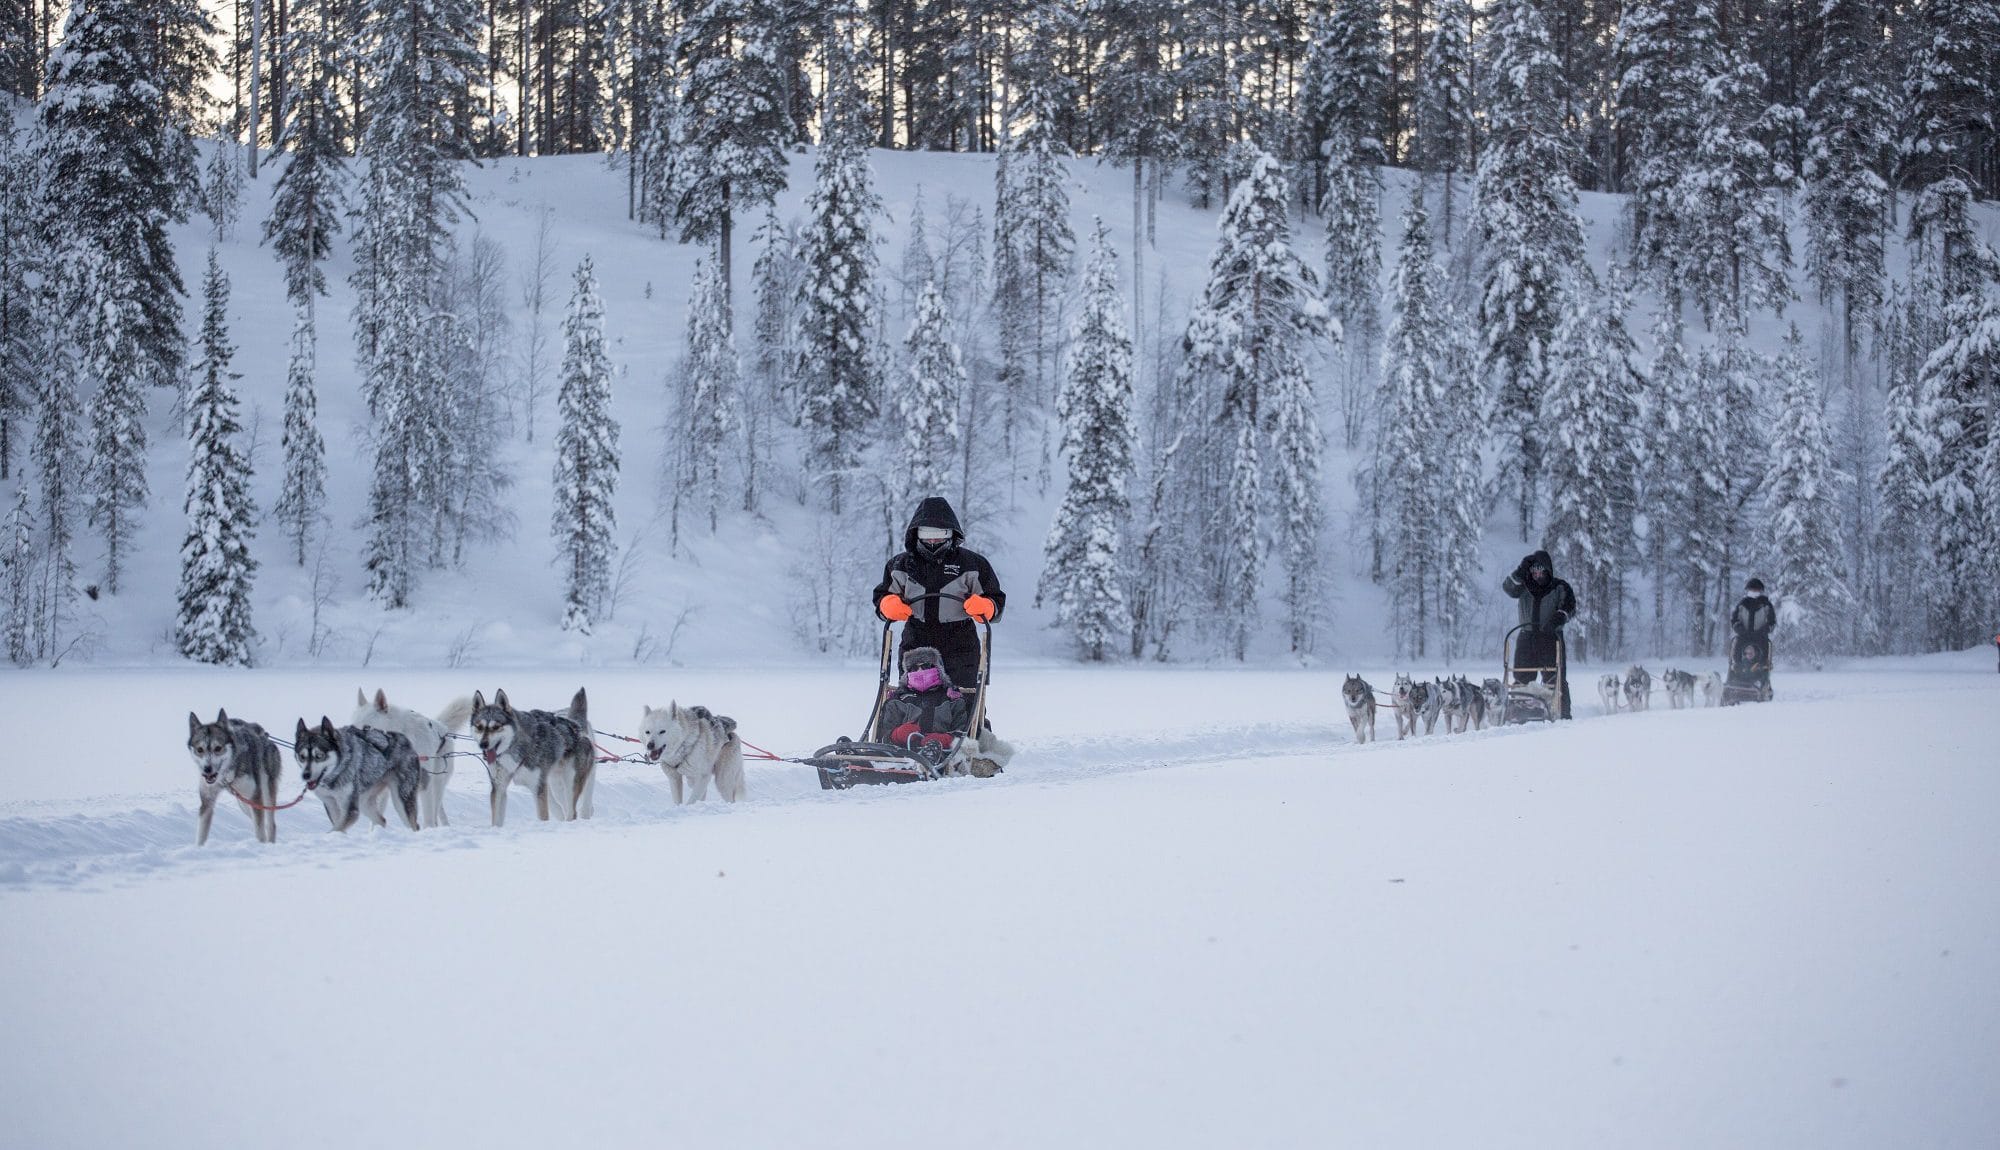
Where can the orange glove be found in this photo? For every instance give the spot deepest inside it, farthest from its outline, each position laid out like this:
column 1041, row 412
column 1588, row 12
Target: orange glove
column 893, row 608
column 979, row 607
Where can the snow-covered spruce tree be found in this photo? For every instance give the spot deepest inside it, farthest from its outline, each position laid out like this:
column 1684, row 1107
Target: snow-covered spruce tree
column 302, row 499
column 309, row 196
column 708, row 414
column 212, row 624
column 118, row 165
column 1849, row 122
column 1911, row 454
column 17, row 581
column 54, row 455
column 222, row 186
column 1443, row 146
column 837, row 375
column 1352, row 213
column 1461, row 521
column 1664, row 53
column 1670, row 488
column 1949, row 92
column 1346, row 79
column 115, row 474
column 586, row 471
column 1731, row 380
column 727, row 155
column 776, row 276
column 18, row 245
column 1588, row 407
column 1409, row 448
column 1736, row 256
column 1258, row 319
column 1815, row 601
column 1080, row 570
column 1132, row 107
column 1957, row 388
column 919, row 270
column 1531, row 239
column 927, row 401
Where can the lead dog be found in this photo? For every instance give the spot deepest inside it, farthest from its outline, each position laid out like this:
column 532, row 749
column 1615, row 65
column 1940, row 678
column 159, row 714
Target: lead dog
column 1609, row 688
column 1359, row 698
column 1638, row 689
column 353, row 769
column 240, row 758
column 1408, row 703
column 551, row 751
column 430, row 737
column 692, row 746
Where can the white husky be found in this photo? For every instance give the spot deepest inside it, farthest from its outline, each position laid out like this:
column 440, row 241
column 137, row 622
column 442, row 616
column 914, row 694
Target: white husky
column 431, row 738
column 692, row 746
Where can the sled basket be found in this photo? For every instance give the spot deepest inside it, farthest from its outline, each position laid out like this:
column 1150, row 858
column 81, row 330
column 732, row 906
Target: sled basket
column 1749, row 678
column 872, row 760
column 1533, row 701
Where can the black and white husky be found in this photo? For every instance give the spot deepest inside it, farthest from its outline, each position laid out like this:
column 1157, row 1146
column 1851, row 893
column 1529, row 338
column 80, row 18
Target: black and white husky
column 549, row 751
column 240, row 758
column 1359, row 699
column 431, row 738
column 1610, row 688
column 692, row 746
column 1430, row 702
column 1638, row 689
column 353, row 769
column 1408, row 702
column 1680, row 688
column 1464, row 705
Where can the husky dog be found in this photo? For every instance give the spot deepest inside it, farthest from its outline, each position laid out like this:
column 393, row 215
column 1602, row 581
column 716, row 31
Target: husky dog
column 1359, row 698
column 238, row 757
column 1430, row 703
column 693, row 745
column 1450, row 707
column 354, row 768
column 1638, row 688
column 1496, row 697
column 1680, row 688
column 1408, row 703
column 430, row 737
column 549, row 750
column 1472, row 705
column 1711, row 689
column 1609, row 689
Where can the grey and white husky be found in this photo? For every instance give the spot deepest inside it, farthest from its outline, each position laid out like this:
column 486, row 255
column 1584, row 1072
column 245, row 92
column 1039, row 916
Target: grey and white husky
column 1609, row 689
column 353, row 769
column 1638, row 689
column 430, row 737
column 549, row 751
column 1495, row 693
column 694, row 745
column 1711, row 689
column 1408, row 703
column 1430, row 702
column 1359, row 698
column 1680, row 688
column 240, row 758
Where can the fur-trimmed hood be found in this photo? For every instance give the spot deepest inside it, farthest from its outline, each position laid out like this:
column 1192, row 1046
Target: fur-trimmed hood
column 925, row 656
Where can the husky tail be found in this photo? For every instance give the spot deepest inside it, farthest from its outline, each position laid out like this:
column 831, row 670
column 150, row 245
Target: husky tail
column 583, row 787
column 456, row 714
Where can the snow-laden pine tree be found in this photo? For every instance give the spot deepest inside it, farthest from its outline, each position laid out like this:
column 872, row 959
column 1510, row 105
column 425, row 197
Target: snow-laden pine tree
column 837, row 375
column 17, row 253
column 1949, row 89
column 1461, row 521
column 1809, row 574
column 1956, row 391
column 309, row 197
column 1735, row 255
column 212, row 623
column 1850, row 125
column 1260, row 317
column 1081, row 571
column 58, row 475
column 708, row 414
column 118, row 164
column 1732, row 378
column 1352, row 213
column 115, row 475
column 927, row 399
column 302, row 496
column 767, row 394
column 17, row 581
column 1663, row 57
column 1670, row 488
column 1346, row 79
column 730, row 129
column 919, row 270
column 1444, row 137
column 1914, row 417
column 1408, row 472
column 586, row 471
column 1531, row 239
column 1587, row 408
column 222, row 186
column 1132, row 107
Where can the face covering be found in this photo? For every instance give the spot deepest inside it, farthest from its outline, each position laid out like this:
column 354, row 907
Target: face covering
column 924, row 678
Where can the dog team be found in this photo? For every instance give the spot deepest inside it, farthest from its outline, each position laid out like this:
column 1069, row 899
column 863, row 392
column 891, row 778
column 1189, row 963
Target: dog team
column 387, row 753
column 1634, row 690
column 1455, row 702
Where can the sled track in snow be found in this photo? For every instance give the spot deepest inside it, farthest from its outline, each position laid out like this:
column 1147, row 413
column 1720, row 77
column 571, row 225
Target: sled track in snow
column 133, row 837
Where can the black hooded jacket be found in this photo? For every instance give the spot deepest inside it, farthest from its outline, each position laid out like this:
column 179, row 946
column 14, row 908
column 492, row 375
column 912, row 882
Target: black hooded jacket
column 957, row 572
column 1544, row 608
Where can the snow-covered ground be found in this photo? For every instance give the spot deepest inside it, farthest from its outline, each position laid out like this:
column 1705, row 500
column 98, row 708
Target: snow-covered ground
column 1192, row 914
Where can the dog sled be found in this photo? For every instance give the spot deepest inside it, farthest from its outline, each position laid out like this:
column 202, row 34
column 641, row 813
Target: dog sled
column 872, row 759
column 1534, row 701
column 1749, row 678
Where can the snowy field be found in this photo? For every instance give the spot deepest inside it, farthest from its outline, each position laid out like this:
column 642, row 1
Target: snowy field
column 1192, row 914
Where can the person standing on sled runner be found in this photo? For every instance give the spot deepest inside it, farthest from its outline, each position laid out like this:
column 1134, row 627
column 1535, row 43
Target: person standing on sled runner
column 934, row 562
column 1546, row 604
column 1753, row 620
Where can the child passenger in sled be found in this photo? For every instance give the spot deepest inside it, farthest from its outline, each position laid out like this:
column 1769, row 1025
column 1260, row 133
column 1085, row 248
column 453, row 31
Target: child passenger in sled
column 926, row 708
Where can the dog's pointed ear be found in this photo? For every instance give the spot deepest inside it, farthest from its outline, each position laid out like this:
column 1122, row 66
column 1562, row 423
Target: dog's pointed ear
column 478, row 701
column 579, row 703
column 221, row 717
column 500, row 699
column 194, row 722
column 381, row 701
column 326, row 727
column 360, row 696
column 299, row 736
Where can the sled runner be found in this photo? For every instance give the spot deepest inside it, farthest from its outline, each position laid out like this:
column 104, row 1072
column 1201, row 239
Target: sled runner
column 1532, row 701
column 1749, row 678
column 873, row 759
